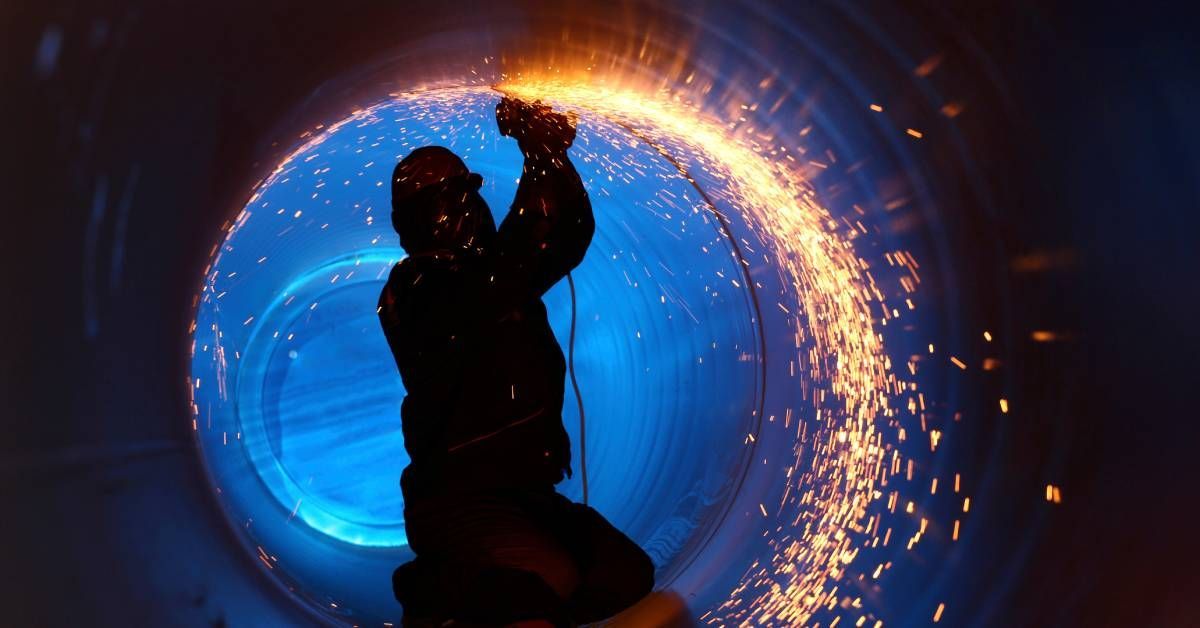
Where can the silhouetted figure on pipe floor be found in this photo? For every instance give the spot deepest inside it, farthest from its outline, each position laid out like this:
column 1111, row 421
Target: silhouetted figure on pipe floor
column 495, row 543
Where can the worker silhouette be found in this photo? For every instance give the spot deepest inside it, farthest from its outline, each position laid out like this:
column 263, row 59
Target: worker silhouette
column 495, row 544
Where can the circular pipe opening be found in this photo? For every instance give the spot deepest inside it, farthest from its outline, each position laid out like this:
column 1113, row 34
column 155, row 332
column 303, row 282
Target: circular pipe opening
column 296, row 396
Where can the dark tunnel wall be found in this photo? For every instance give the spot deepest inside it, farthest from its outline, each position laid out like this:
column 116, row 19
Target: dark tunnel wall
column 140, row 128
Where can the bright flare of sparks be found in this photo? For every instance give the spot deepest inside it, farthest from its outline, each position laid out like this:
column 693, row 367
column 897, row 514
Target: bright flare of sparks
column 841, row 477
column 838, row 500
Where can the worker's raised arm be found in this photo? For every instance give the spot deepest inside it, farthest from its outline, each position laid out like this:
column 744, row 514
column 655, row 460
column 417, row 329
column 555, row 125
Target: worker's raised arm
column 550, row 224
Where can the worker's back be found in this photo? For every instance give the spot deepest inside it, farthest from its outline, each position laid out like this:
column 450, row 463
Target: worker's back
column 484, row 386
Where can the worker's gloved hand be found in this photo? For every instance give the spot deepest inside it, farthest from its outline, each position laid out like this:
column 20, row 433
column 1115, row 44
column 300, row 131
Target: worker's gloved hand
column 538, row 129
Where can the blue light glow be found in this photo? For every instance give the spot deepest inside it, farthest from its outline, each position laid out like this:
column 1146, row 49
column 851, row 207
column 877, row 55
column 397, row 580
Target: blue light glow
column 297, row 397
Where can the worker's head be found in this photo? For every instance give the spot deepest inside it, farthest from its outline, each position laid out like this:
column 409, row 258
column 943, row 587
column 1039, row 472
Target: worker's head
column 436, row 203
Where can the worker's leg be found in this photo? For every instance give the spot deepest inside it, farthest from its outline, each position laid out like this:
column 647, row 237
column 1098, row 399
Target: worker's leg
column 614, row 572
column 475, row 595
column 495, row 564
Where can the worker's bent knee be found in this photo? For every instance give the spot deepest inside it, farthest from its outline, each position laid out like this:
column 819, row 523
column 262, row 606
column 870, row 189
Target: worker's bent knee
column 614, row 586
column 564, row 579
column 503, row 595
column 640, row 579
column 643, row 576
column 629, row 568
column 554, row 566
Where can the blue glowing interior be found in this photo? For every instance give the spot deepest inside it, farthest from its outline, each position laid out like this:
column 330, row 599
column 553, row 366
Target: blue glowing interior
column 297, row 397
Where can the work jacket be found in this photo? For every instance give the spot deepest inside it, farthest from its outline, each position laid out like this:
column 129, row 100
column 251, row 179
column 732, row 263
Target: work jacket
column 482, row 370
